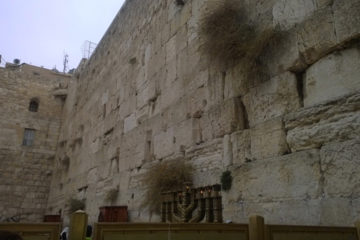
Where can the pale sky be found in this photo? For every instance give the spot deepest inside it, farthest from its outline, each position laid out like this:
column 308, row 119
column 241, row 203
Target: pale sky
column 40, row 31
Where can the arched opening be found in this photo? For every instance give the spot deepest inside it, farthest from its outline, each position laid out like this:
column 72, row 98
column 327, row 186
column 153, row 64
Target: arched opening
column 34, row 105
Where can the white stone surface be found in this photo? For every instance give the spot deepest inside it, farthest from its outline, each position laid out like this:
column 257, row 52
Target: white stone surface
column 272, row 99
column 287, row 13
column 332, row 77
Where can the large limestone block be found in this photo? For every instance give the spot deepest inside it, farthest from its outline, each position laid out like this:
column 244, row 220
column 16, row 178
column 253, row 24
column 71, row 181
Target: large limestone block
column 340, row 164
column 132, row 149
column 347, row 19
column 268, row 139
column 282, row 54
column 236, row 81
column 208, row 168
column 222, row 119
column 130, row 123
column 171, row 49
column 316, row 35
column 293, row 176
column 183, row 135
column 173, row 115
column 227, row 151
column 164, row 143
column 146, row 93
column 339, row 211
column 272, row 99
column 332, row 77
column 287, row 212
column 315, row 126
column 197, row 102
column 237, row 148
column 287, row 13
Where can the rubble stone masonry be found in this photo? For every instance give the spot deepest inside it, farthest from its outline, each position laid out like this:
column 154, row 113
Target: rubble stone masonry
column 25, row 170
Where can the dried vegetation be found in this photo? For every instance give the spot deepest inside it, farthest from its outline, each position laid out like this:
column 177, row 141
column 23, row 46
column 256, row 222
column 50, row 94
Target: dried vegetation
column 229, row 34
column 75, row 205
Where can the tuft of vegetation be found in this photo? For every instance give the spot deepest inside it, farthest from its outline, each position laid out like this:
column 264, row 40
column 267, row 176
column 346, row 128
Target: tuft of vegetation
column 16, row 61
column 112, row 195
column 226, row 181
column 228, row 33
column 75, row 205
column 165, row 177
column 179, row 2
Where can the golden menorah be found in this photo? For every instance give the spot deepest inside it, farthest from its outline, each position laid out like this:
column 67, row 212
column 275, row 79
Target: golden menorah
column 192, row 205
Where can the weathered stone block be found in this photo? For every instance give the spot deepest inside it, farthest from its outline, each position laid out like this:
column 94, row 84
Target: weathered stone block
column 221, row 119
column 171, row 95
column 227, row 151
column 332, row 77
column 282, row 54
column 316, row 36
column 130, row 123
column 294, row 177
column 146, row 93
column 197, row 102
column 268, row 139
column 347, row 19
column 340, row 164
column 171, row 49
column 236, row 82
column 183, row 135
column 286, row 212
column 287, row 13
column 272, row 99
column 135, row 149
column 241, row 147
column 164, row 143
column 315, row 126
column 338, row 211
column 208, row 168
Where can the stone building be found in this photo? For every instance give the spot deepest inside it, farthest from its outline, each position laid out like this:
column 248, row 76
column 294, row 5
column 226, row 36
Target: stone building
column 283, row 116
column 31, row 101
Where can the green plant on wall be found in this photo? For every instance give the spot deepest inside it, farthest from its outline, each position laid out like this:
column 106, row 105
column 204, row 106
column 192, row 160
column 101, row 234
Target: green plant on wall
column 226, row 180
column 165, row 177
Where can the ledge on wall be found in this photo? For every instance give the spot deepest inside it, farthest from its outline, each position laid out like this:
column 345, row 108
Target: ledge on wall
column 60, row 93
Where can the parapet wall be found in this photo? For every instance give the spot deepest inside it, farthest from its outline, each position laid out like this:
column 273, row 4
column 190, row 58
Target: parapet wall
column 288, row 131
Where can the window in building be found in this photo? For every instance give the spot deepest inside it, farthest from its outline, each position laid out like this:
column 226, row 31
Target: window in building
column 29, row 135
column 34, row 105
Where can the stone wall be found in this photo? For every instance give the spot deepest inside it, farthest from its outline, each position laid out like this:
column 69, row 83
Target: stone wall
column 288, row 132
column 25, row 171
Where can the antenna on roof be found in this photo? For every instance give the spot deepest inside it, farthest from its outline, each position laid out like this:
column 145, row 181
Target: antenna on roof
column 66, row 61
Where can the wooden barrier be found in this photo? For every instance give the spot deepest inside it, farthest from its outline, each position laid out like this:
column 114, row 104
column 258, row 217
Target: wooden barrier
column 43, row 231
column 357, row 225
column 255, row 230
column 78, row 224
column 277, row 232
column 163, row 231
